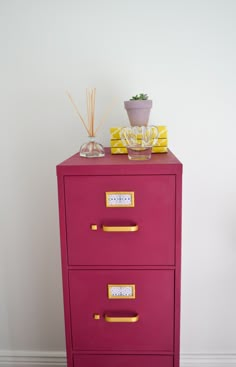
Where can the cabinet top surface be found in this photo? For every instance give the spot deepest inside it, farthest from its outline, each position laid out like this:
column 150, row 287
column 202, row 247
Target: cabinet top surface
column 119, row 164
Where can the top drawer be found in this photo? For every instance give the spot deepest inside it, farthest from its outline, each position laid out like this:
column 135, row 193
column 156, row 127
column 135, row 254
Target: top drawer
column 153, row 212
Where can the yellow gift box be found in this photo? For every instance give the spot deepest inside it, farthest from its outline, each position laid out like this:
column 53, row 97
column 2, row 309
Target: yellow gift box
column 124, row 150
column 115, row 132
column 118, row 143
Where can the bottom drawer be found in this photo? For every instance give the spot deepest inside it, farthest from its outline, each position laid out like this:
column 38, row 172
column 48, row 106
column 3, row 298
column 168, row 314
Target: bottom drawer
column 149, row 324
column 106, row 360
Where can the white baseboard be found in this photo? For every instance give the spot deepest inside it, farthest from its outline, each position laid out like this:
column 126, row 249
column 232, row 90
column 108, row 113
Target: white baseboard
column 58, row 359
column 32, row 359
column 208, row 360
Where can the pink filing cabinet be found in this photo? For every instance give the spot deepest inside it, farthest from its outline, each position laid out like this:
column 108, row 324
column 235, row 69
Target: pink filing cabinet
column 120, row 228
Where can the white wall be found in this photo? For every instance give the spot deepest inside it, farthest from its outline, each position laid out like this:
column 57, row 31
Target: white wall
column 183, row 54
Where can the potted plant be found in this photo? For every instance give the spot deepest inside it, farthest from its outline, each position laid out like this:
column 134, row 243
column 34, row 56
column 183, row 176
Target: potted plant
column 138, row 109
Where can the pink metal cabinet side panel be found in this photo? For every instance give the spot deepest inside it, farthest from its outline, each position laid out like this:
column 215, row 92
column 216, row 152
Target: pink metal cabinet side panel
column 178, row 268
column 64, row 263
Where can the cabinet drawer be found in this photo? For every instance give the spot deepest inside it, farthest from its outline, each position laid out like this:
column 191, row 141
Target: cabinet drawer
column 122, row 361
column 153, row 212
column 143, row 323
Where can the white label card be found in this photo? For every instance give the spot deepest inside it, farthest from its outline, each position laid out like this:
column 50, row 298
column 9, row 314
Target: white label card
column 119, row 199
column 121, row 291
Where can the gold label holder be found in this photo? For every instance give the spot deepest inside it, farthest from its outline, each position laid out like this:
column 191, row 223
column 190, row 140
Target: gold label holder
column 121, row 291
column 120, row 199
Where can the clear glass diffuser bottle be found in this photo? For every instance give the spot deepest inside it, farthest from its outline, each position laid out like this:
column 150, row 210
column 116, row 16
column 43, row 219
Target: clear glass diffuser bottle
column 92, row 149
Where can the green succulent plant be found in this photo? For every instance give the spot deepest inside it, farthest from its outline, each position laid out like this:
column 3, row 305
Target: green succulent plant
column 138, row 97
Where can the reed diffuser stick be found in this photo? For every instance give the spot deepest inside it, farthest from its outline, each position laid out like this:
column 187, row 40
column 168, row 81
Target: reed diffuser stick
column 94, row 100
column 90, row 104
column 77, row 111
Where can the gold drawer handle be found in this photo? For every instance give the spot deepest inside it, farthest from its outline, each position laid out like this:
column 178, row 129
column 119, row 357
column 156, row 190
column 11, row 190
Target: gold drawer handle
column 120, row 228
column 134, row 318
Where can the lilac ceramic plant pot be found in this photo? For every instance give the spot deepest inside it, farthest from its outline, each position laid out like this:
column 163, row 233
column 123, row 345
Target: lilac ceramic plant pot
column 138, row 112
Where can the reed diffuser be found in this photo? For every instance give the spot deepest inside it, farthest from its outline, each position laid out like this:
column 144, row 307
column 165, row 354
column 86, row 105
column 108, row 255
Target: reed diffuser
column 91, row 149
